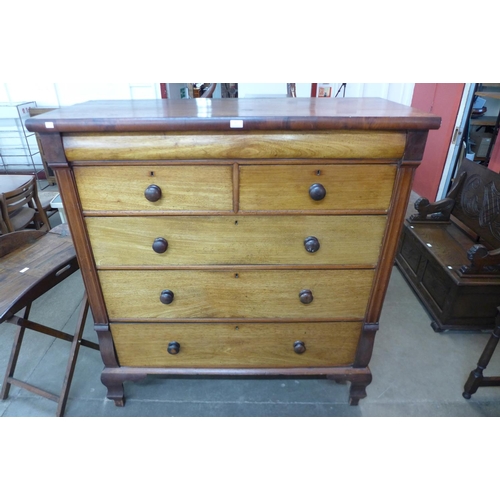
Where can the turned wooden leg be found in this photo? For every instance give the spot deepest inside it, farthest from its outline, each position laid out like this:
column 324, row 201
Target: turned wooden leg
column 476, row 378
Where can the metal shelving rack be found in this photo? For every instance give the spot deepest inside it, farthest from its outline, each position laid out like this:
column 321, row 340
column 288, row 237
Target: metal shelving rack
column 19, row 151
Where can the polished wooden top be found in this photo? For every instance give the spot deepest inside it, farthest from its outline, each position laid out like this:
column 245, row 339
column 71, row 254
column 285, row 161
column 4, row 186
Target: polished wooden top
column 9, row 182
column 233, row 114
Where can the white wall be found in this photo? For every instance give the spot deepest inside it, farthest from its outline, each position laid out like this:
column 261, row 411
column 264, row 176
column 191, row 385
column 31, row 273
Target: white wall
column 65, row 94
column 398, row 92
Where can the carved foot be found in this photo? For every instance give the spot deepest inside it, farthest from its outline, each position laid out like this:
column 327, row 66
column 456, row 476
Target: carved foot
column 436, row 327
column 357, row 392
column 114, row 384
column 113, row 380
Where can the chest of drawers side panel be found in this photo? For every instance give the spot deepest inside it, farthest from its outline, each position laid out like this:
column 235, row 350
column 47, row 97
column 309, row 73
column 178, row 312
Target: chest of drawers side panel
column 55, row 157
column 412, row 157
column 83, row 247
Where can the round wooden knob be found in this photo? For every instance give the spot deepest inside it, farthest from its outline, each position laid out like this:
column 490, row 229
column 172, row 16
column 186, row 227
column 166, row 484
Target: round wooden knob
column 306, row 296
column 317, row 192
column 153, row 193
column 299, row 347
column 311, row 244
column 160, row 245
column 173, row 348
column 166, row 297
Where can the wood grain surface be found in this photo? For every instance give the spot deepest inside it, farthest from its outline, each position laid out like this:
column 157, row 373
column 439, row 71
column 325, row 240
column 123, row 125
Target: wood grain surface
column 236, row 345
column 217, row 114
column 211, row 240
column 232, row 145
column 241, row 294
column 286, row 187
column 187, row 187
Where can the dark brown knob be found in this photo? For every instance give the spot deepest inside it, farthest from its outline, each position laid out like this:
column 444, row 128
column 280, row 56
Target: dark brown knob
column 160, row 245
column 299, row 347
column 311, row 244
column 306, row 296
column 153, row 193
column 166, row 297
column 317, row 192
column 173, row 348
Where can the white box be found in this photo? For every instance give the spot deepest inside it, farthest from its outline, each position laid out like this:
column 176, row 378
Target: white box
column 56, row 202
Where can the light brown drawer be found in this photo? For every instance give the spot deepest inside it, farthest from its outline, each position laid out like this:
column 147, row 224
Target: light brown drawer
column 211, row 240
column 232, row 144
column 187, row 187
column 337, row 294
column 286, row 187
column 231, row 345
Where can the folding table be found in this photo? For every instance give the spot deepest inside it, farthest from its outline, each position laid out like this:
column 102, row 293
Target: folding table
column 31, row 263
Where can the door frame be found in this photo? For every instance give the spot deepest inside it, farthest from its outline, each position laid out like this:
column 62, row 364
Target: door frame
column 450, row 164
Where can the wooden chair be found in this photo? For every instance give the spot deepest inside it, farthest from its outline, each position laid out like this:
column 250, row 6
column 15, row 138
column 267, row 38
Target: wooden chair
column 21, row 206
column 209, row 91
column 33, row 262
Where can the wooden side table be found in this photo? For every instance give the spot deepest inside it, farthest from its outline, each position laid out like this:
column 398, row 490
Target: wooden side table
column 32, row 262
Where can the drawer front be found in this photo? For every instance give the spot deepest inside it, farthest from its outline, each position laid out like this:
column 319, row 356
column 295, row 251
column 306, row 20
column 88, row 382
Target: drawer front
column 234, row 144
column 287, row 187
column 187, row 187
column 336, row 294
column 231, row 345
column 205, row 240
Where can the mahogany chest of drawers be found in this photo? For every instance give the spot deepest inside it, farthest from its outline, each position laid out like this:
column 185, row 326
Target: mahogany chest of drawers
column 235, row 236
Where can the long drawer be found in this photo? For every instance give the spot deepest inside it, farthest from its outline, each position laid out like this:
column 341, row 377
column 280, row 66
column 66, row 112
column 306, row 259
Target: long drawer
column 235, row 144
column 232, row 345
column 156, row 295
column 205, row 240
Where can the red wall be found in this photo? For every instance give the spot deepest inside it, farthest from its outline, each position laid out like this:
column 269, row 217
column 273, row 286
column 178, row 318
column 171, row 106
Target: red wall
column 494, row 163
column 442, row 99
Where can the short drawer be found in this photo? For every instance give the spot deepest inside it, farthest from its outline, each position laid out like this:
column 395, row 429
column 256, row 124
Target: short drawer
column 156, row 295
column 221, row 240
column 177, row 188
column 316, row 187
column 230, row 345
